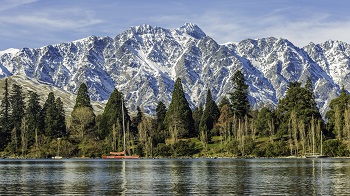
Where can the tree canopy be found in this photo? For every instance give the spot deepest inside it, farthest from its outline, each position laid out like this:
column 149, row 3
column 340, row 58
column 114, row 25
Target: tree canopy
column 83, row 98
column 239, row 97
column 179, row 116
column 300, row 100
column 112, row 114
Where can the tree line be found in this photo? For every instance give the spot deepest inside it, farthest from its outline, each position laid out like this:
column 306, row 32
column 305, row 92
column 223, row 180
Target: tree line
column 230, row 129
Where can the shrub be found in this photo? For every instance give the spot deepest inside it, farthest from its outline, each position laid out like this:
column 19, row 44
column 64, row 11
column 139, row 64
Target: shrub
column 162, row 150
column 183, row 148
column 335, row 148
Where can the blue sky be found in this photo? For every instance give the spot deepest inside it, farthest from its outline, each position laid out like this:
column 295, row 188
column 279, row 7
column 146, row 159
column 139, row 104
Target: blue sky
column 36, row 23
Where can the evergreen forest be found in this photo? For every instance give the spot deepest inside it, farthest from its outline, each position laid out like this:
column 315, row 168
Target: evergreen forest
column 230, row 128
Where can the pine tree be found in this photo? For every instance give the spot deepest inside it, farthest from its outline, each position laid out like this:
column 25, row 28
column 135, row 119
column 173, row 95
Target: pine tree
column 83, row 98
column 301, row 100
column 83, row 117
column 263, row 122
column 5, row 132
column 49, row 112
column 211, row 113
column 60, row 119
column 179, row 116
column 17, row 108
column 33, row 116
column 161, row 113
column 239, row 98
column 112, row 114
column 224, row 101
column 197, row 116
column 160, row 135
column 136, row 121
column 24, row 136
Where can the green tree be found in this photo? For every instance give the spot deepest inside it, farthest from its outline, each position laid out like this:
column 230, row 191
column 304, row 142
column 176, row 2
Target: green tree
column 146, row 134
column 6, row 127
column 179, row 115
column 160, row 135
column 112, row 115
column 197, row 116
column 49, row 113
column 264, row 122
column 224, row 123
column 33, row 117
column 136, row 120
column 239, row 97
column 161, row 113
column 335, row 114
column 211, row 113
column 60, row 119
column 83, row 122
column 300, row 100
column 224, row 101
column 83, row 98
column 83, row 117
column 17, row 108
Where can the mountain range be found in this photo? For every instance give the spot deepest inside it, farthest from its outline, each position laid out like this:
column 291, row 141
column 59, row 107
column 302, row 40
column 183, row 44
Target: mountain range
column 144, row 61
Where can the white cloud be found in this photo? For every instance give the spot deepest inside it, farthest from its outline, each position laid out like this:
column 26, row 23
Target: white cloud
column 316, row 27
column 52, row 19
column 32, row 20
column 9, row 4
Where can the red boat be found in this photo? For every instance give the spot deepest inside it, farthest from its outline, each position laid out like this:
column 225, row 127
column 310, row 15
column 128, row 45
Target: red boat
column 120, row 155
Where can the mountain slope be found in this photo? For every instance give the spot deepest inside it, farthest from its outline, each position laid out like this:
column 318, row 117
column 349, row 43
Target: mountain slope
column 144, row 61
column 43, row 91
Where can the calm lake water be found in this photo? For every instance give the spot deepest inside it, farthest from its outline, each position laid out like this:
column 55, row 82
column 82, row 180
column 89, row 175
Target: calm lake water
column 176, row 176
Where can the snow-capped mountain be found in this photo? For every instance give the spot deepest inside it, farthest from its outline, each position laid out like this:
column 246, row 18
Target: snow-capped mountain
column 144, row 61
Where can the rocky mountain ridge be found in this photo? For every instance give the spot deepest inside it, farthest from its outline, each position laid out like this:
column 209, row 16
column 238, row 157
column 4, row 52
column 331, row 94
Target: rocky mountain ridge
column 144, row 61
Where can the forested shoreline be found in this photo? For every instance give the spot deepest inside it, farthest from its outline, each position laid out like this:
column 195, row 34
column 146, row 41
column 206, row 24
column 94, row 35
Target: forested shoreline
column 227, row 129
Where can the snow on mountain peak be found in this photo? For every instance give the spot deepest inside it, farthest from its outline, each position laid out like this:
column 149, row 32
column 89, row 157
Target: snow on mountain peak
column 11, row 51
column 192, row 30
column 144, row 61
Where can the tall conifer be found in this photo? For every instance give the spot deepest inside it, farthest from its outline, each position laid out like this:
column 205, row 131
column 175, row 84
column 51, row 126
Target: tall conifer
column 136, row 121
column 83, row 117
column 211, row 112
column 5, row 132
column 160, row 112
column 239, row 97
column 197, row 116
column 33, row 116
column 299, row 99
column 17, row 108
column 60, row 118
column 83, row 98
column 50, row 116
column 161, row 134
column 112, row 114
column 179, row 116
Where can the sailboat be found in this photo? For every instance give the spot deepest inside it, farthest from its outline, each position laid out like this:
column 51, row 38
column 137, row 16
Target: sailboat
column 120, row 155
column 313, row 154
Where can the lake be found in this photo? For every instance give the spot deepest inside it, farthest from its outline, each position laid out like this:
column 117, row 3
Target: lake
column 176, row 176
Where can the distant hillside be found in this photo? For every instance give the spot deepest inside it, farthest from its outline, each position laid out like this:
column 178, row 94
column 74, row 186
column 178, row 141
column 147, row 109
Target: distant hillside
column 43, row 90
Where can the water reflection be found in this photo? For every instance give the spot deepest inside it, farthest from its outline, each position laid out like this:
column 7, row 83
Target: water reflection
column 176, row 176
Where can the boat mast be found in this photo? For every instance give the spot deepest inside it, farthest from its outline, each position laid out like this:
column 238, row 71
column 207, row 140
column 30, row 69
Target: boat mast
column 123, row 124
column 321, row 142
column 313, row 135
column 58, row 147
